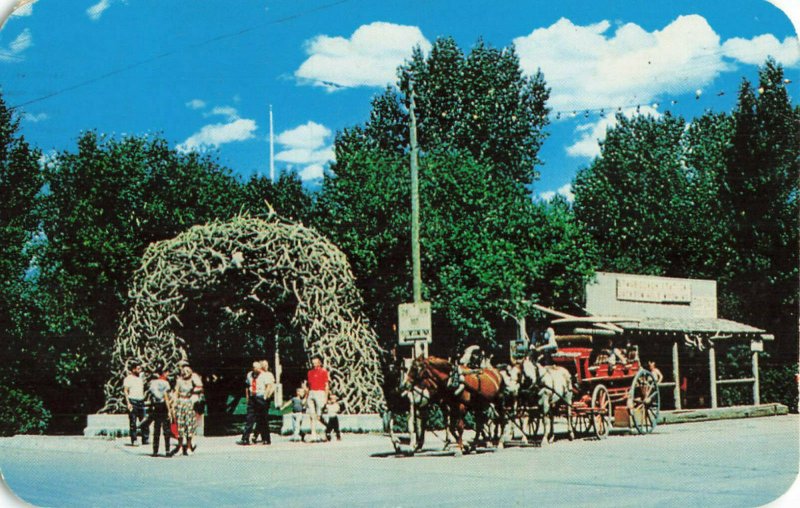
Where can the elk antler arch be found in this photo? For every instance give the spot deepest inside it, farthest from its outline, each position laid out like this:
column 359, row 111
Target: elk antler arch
column 273, row 254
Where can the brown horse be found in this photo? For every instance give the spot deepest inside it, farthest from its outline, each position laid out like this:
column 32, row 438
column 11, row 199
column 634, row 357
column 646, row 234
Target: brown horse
column 482, row 388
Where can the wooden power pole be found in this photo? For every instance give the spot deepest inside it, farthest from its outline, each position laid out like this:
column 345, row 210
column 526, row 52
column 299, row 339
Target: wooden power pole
column 415, row 256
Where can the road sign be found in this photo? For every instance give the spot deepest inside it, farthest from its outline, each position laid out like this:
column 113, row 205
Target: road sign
column 414, row 323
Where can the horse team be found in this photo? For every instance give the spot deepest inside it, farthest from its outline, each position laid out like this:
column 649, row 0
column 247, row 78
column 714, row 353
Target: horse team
column 490, row 393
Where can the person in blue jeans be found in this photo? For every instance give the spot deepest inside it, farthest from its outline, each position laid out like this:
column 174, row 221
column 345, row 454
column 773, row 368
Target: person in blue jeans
column 161, row 409
column 298, row 409
column 133, row 388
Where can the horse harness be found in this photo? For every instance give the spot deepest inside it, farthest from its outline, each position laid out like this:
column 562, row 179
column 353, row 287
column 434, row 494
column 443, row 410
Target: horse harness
column 539, row 383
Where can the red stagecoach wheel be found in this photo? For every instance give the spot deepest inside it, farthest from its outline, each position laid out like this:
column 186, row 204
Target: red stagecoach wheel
column 644, row 402
column 581, row 422
column 601, row 411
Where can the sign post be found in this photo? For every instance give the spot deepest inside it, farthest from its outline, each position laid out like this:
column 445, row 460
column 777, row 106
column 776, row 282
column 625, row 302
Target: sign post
column 414, row 329
column 414, row 326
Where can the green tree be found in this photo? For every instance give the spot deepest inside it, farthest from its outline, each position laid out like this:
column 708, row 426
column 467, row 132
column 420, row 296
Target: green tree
column 633, row 197
column 717, row 200
column 104, row 204
column 286, row 196
column 20, row 183
column 483, row 239
column 759, row 191
column 706, row 236
column 481, row 103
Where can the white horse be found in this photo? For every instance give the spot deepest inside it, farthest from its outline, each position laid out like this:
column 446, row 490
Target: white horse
column 555, row 387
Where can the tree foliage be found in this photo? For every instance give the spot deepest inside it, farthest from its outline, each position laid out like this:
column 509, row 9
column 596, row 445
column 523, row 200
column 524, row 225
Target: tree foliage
column 103, row 205
column 286, row 196
column 633, row 198
column 759, row 195
column 716, row 200
column 485, row 245
column 20, row 184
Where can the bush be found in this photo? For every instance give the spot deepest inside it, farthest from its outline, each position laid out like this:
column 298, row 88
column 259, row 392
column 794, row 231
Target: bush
column 779, row 384
column 21, row 413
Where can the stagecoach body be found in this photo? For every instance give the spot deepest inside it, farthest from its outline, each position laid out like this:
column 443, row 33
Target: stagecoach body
column 622, row 395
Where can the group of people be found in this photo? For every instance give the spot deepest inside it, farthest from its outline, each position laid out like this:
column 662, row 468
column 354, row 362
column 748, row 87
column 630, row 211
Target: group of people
column 174, row 408
column 313, row 399
column 259, row 392
column 173, row 411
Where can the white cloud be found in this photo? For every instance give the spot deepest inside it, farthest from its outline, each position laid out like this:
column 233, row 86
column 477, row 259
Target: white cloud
column 370, row 56
column 312, row 172
column 591, row 133
column 306, row 145
column 34, row 118
column 13, row 52
column 225, row 111
column 588, row 67
column 25, row 10
column 96, row 11
column 47, row 158
column 196, row 104
column 309, row 135
column 756, row 50
column 215, row 135
column 565, row 190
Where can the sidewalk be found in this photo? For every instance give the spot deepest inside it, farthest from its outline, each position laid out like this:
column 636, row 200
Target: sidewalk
column 205, row 445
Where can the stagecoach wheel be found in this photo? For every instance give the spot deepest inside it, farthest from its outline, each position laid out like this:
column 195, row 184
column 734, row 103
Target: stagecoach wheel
column 581, row 422
column 601, row 411
column 644, row 402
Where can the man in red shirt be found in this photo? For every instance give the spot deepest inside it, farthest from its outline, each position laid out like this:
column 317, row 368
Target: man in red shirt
column 317, row 394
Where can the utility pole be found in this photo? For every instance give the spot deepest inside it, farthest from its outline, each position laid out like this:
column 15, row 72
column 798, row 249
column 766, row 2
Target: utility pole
column 415, row 261
column 271, row 149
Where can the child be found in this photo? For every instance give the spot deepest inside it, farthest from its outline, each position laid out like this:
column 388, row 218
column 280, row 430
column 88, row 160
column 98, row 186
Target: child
column 655, row 371
column 332, row 409
column 297, row 413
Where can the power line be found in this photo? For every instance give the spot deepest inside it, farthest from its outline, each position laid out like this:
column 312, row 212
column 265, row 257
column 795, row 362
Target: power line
column 166, row 54
column 699, row 94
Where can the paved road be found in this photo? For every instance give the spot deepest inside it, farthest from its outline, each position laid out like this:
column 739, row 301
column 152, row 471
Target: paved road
column 725, row 463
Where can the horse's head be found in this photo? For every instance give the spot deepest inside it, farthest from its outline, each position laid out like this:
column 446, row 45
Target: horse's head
column 512, row 378
column 430, row 373
column 416, row 373
column 418, row 382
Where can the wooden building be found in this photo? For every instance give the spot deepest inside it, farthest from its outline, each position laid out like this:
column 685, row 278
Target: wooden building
column 673, row 322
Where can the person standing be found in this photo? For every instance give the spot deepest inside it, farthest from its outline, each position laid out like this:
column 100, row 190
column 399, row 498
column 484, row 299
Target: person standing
column 161, row 409
column 332, row 410
column 317, row 396
column 265, row 389
column 133, row 388
column 250, row 396
column 187, row 387
column 655, row 371
column 298, row 407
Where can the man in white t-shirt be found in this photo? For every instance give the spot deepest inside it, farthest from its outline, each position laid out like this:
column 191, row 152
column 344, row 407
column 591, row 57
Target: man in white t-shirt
column 133, row 387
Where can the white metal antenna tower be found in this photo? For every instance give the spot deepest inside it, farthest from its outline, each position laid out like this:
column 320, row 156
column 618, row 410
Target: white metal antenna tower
column 271, row 149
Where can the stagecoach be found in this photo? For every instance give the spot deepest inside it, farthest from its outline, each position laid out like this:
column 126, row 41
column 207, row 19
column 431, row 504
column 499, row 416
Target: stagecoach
column 605, row 395
column 624, row 394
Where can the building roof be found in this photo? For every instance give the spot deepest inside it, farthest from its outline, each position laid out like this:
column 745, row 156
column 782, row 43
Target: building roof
column 691, row 325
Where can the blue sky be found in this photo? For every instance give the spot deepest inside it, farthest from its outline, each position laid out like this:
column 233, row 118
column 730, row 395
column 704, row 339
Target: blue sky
column 203, row 73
